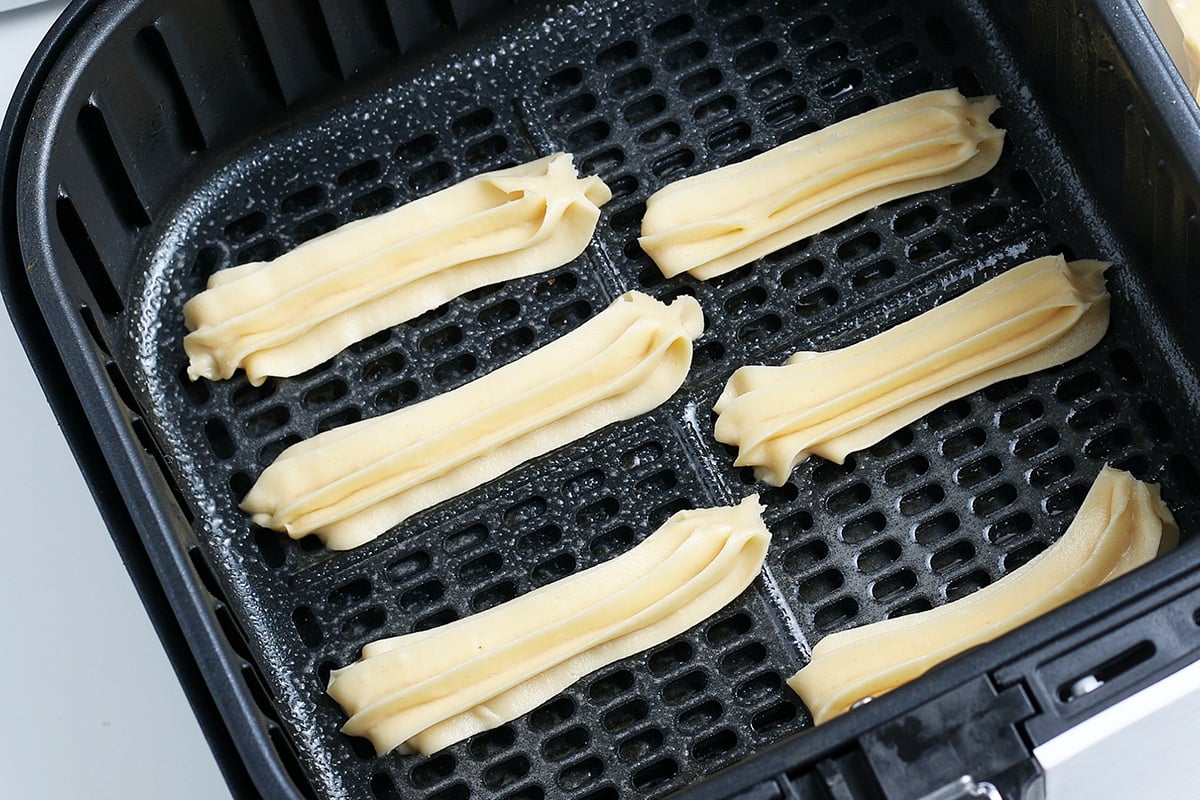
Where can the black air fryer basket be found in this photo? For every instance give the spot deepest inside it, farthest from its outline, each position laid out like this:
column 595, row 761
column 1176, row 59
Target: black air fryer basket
column 154, row 142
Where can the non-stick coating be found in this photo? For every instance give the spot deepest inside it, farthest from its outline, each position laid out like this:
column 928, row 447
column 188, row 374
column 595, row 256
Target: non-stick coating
column 643, row 93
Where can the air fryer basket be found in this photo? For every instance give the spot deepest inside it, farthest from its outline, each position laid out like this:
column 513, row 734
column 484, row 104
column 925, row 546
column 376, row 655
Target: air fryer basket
column 174, row 139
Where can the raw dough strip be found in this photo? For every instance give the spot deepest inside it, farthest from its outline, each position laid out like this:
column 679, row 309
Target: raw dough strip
column 427, row 690
column 350, row 484
column 1187, row 14
column 1039, row 314
column 288, row 315
column 712, row 223
column 1122, row 524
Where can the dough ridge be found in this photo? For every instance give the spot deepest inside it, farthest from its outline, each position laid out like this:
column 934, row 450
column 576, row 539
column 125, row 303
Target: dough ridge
column 426, row 690
column 282, row 317
column 1121, row 524
column 712, row 223
column 1034, row 316
column 350, row 484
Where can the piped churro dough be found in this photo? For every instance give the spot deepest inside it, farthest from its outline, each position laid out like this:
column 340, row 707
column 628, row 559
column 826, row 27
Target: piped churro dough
column 284, row 316
column 350, row 484
column 1122, row 524
column 712, row 223
column 425, row 691
column 1187, row 15
column 1034, row 316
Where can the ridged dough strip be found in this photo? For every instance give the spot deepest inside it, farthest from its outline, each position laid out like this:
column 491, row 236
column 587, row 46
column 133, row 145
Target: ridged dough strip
column 712, row 223
column 1122, row 524
column 1034, row 316
column 287, row 315
column 427, row 690
column 350, row 484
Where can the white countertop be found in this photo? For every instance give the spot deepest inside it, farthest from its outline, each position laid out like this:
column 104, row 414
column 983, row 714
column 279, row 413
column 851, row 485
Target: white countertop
column 92, row 708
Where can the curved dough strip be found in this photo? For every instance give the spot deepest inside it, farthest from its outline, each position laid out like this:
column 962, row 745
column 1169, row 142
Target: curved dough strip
column 712, row 223
column 427, row 690
column 1034, row 316
column 285, row 316
column 1122, row 524
column 350, row 484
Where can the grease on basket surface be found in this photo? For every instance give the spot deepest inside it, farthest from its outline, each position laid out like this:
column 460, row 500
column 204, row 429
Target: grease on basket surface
column 350, row 484
column 426, row 690
column 284, row 316
column 1034, row 316
column 712, row 223
column 1122, row 524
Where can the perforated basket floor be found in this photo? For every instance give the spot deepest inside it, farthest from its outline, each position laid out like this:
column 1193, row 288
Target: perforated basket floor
column 644, row 93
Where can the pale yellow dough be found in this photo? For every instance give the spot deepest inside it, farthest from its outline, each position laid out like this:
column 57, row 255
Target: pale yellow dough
column 1039, row 314
column 428, row 690
column 284, row 316
column 350, row 484
column 712, row 223
column 1187, row 15
column 1122, row 524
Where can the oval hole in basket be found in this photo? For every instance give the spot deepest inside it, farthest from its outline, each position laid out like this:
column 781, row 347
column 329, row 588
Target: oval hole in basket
column 494, row 595
column 667, row 659
column 433, row 771
column 307, row 626
column 640, row 745
column 552, row 714
column 685, row 56
column 363, row 622
column 563, row 80
column 217, row 433
column 836, row 615
column 715, row 745
column 609, row 687
column 743, row 659
column 566, row 744
column 612, row 543
column 625, row 715
column 506, row 773
column 656, row 774
column 575, row 107
column 921, row 500
column 774, row 716
column 685, row 687
column 672, row 28
column 863, row 528
column 701, row 716
column 812, row 29
column 580, row 774
column 712, row 110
